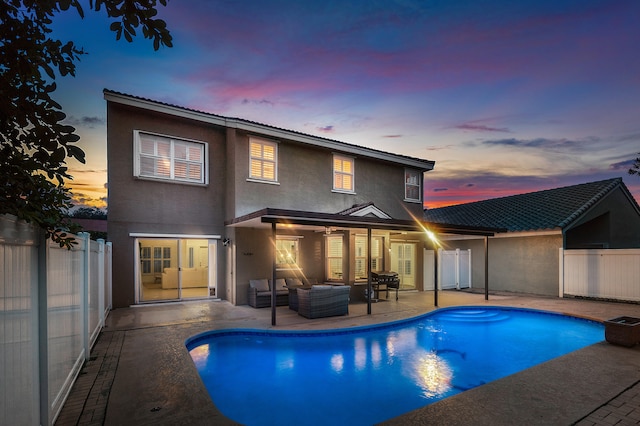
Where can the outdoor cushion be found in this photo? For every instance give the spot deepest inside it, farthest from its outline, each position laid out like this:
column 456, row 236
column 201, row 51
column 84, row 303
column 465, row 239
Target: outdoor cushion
column 280, row 284
column 321, row 287
column 259, row 285
column 293, row 282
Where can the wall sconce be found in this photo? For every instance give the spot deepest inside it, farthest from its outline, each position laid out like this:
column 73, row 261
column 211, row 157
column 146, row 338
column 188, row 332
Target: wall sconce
column 226, row 242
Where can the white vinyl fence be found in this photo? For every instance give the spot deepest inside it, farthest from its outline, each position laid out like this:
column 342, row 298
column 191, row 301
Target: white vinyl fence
column 53, row 303
column 605, row 274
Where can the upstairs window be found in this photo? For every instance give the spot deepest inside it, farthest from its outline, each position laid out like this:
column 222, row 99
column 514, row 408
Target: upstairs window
column 263, row 160
column 168, row 158
column 343, row 173
column 412, row 185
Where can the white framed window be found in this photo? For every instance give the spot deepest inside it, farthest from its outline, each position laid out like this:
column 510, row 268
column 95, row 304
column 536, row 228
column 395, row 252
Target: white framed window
column 412, row 185
column 169, row 158
column 334, row 257
column 286, row 252
column 343, row 173
column 263, row 160
column 361, row 256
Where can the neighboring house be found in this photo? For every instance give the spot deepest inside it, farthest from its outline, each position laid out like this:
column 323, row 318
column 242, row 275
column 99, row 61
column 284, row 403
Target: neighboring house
column 195, row 200
column 525, row 259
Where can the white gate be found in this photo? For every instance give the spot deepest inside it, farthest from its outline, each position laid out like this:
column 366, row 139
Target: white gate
column 455, row 269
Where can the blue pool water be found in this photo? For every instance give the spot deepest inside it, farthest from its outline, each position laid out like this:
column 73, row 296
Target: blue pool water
column 365, row 375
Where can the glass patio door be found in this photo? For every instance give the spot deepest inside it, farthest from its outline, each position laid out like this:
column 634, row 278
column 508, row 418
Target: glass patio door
column 194, row 269
column 174, row 269
column 403, row 259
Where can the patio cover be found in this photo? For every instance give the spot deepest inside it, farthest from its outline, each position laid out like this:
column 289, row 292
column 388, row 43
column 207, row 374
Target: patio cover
column 273, row 217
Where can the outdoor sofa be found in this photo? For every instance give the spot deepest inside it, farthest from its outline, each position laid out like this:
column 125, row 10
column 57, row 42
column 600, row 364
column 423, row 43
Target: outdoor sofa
column 323, row 301
column 260, row 293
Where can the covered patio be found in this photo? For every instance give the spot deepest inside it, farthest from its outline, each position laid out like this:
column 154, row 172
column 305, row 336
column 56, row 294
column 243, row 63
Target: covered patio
column 370, row 221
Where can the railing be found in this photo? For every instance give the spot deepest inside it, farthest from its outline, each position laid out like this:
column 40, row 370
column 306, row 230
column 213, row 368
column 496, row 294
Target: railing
column 53, row 303
column 604, row 274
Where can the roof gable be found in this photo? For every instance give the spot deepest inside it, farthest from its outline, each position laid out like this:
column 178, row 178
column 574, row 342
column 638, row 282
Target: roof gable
column 549, row 209
column 366, row 209
column 266, row 130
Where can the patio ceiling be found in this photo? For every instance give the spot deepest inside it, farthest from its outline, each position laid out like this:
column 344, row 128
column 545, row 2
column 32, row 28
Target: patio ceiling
column 311, row 220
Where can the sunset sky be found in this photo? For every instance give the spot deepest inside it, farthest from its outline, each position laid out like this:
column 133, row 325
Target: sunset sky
column 505, row 96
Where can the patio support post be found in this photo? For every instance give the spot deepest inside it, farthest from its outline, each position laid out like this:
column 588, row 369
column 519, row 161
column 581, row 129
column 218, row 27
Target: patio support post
column 369, row 277
column 486, row 268
column 273, row 273
column 435, row 273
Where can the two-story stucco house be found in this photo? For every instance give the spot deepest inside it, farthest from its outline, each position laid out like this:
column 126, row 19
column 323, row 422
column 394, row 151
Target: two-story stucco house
column 197, row 202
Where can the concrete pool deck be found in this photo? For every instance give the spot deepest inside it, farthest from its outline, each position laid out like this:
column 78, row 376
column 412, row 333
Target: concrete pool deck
column 140, row 373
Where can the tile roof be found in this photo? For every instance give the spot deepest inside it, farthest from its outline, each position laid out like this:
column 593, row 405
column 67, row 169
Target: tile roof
column 548, row 209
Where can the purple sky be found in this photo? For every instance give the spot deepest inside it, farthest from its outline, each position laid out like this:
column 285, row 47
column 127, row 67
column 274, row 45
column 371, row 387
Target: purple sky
column 505, row 96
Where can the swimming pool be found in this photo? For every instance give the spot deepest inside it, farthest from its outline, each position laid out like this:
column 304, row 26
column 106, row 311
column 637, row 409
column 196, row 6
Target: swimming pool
column 369, row 374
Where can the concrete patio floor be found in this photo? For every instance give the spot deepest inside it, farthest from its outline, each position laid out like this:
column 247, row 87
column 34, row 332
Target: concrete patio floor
column 140, row 372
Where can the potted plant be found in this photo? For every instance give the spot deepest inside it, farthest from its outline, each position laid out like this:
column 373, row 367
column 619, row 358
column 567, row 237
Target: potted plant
column 623, row 331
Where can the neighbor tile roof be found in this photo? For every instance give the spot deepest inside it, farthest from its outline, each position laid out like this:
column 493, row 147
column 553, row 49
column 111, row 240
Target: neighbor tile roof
column 548, row 209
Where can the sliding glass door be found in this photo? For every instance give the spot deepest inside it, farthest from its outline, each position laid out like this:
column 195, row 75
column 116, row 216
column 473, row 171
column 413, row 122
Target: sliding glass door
column 175, row 269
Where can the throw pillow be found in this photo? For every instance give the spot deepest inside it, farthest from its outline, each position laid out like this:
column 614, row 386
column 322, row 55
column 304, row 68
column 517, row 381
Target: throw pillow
column 260, row 285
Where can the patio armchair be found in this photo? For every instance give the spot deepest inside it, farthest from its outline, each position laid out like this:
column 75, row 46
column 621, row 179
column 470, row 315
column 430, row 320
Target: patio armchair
column 323, row 301
column 293, row 284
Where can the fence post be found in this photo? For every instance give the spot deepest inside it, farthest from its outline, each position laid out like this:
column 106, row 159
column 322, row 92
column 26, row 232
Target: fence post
column 101, row 254
column 109, row 282
column 457, row 269
column 43, row 332
column 84, row 296
column 470, row 273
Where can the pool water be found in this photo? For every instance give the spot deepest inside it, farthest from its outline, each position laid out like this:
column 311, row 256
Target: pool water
column 365, row 375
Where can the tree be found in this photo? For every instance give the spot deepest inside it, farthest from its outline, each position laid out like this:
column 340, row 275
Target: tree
column 635, row 168
column 89, row 213
column 34, row 140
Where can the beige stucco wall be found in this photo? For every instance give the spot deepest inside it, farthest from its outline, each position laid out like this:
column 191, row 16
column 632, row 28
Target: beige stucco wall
column 305, row 182
column 146, row 206
column 527, row 264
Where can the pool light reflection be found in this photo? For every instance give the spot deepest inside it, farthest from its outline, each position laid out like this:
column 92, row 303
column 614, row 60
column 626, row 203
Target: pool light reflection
column 433, row 374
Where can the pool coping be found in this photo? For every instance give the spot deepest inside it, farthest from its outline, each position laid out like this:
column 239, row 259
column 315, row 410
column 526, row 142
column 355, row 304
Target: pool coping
column 140, row 371
column 424, row 415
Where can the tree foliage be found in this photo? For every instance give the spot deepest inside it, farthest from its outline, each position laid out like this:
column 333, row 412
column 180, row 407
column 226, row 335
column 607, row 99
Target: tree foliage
column 635, row 168
column 35, row 142
column 88, row 213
